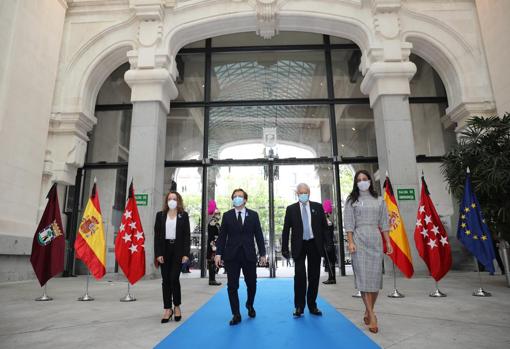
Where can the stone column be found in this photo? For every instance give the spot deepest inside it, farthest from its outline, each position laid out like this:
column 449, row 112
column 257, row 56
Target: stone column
column 151, row 79
column 387, row 84
column 151, row 93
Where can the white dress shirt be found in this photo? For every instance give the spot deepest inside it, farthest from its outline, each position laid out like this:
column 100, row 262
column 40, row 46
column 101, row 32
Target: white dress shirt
column 171, row 225
column 307, row 208
column 243, row 213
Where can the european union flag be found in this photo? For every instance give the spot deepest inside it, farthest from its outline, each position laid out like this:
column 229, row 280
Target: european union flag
column 472, row 230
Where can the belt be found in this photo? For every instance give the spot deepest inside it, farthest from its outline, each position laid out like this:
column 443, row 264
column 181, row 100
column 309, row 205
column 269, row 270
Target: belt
column 170, row 241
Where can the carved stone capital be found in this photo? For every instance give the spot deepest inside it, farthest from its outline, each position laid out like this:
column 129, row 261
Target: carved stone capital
column 458, row 115
column 387, row 78
column 151, row 85
column 67, row 145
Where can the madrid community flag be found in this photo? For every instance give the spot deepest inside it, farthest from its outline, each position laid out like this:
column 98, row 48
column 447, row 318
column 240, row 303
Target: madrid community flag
column 130, row 241
column 401, row 255
column 472, row 231
column 90, row 243
column 430, row 236
column 48, row 246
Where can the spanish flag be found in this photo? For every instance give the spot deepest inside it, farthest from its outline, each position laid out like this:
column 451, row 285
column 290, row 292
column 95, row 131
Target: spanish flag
column 90, row 244
column 401, row 255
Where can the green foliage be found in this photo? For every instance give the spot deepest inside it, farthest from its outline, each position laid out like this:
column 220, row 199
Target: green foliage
column 484, row 146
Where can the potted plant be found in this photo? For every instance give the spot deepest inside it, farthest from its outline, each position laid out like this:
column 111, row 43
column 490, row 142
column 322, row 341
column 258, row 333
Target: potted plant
column 484, row 146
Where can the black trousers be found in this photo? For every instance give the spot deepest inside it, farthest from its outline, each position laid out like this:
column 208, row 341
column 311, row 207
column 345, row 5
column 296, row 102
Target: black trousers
column 212, row 271
column 301, row 292
column 330, row 263
column 170, row 272
column 234, row 267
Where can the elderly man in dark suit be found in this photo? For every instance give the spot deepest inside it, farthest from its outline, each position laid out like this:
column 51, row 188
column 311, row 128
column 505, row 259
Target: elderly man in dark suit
column 306, row 222
column 240, row 228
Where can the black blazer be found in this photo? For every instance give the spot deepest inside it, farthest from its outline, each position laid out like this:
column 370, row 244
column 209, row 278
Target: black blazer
column 233, row 236
column 293, row 222
column 182, row 235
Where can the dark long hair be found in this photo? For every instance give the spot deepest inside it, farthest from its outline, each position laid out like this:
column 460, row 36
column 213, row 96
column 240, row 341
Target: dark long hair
column 354, row 195
column 180, row 204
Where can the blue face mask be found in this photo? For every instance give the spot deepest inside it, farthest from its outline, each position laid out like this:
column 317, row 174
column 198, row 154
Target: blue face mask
column 237, row 201
column 303, row 198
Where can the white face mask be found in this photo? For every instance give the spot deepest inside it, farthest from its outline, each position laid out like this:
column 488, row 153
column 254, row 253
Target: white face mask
column 172, row 204
column 363, row 185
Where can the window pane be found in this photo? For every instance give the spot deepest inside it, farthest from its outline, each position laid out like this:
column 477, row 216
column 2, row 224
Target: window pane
column 268, row 75
column 252, row 39
column 185, row 134
column 196, row 44
column 426, row 82
column 286, row 131
column 112, row 188
column 190, row 82
column 188, row 182
column 337, row 40
column 355, row 130
column 346, row 75
column 115, row 90
column 109, row 140
column 430, row 137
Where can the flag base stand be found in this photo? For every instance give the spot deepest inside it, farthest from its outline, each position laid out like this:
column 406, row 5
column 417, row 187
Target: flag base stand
column 396, row 294
column 357, row 294
column 480, row 292
column 128, row 297
column 86, row 297
column 44, row 297
column 437, row 293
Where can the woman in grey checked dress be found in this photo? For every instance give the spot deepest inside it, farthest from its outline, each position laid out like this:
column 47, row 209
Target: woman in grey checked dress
column 365, row 215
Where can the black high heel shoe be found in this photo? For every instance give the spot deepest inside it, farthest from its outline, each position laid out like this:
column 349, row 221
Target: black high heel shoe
column 164, row 321
column 177, row 318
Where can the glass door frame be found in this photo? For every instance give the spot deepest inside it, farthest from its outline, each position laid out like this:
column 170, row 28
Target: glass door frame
column 335, row 159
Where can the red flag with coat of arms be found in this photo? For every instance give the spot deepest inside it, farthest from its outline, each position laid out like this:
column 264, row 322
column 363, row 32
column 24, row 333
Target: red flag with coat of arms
column 130, row 241
column 431, row 238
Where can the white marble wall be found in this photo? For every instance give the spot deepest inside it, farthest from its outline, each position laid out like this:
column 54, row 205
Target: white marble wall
column 30, row 41
column 494, row 25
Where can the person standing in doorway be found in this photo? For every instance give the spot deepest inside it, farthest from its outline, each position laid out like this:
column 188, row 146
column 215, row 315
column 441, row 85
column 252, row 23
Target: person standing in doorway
column 306, row 221
column 330, row 260
column 240, row 228
column 365, row 217
column 172, row 249
column 213, row 231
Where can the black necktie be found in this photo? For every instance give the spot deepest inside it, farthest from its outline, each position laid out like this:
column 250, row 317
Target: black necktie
column 239, row 218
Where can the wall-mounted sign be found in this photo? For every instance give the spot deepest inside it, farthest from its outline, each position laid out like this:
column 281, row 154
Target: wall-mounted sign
column 406, row 194
column 142, row 199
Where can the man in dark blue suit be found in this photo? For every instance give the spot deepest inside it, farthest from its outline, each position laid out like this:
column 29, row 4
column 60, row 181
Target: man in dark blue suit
column 240, row 227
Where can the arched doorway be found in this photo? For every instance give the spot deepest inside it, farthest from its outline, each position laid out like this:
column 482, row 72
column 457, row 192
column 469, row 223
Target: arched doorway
column 297, row 106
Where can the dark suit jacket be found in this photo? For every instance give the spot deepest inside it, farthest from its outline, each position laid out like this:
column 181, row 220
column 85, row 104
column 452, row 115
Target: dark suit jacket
column 233, row 236
column 182, row 235
column 294, row 223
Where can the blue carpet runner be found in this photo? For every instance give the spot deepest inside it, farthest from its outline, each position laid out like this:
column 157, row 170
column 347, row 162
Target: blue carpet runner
column 274, row 326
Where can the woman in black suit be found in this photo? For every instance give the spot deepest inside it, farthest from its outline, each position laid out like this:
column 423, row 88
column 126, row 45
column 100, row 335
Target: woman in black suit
column 171, row 248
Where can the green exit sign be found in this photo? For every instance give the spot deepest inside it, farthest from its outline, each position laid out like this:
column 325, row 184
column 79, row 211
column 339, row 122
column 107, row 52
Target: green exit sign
column 406, row 194
column 142, row 199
